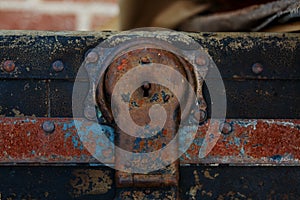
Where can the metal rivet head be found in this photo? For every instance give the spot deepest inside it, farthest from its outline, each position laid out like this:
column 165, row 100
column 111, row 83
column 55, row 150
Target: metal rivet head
column 48, row 127
column 203, row 116
column 257, row 68
column 92, row 57
column 201, row 60
column 200, row 116
column 9, row 66
column 90, row 113
column 58, row 66
column 225, row 128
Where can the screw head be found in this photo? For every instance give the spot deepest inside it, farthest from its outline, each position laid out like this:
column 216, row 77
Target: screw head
column 48, row 127
column 257, row 68
column 92, row 57
column 58, row 66
column 9, row 66
column 225, row 128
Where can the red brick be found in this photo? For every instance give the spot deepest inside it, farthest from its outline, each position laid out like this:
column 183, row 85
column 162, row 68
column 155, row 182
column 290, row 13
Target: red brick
column 17, row 20
column 100, row 22
column 87, row 1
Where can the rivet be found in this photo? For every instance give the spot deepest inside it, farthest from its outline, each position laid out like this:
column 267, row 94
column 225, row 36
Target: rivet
column 201, row 60
column 58, row 66
column 90, row 113
column 48, row 127
column 257, row 68
column 91, row 57
column 225, row 128
column 203, row 116
column 9, row 66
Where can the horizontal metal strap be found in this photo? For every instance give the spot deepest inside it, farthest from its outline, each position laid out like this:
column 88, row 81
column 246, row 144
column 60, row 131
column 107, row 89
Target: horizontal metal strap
column 255, row 141
column 34, row 54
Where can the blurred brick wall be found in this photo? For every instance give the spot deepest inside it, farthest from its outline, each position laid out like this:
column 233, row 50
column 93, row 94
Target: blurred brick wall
column 58, row 14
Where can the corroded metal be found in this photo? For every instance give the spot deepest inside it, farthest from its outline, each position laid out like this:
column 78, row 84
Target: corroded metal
column 23, row 140
column 58, row 66
column 140, row 102
column 48, row 183
column 267, row 98
column 157, row 94
column 9, row 66
column 251, row 142
column 167, row 177
column 248, row 95
column 123, row 58
column 196, row 182
column 91, row 182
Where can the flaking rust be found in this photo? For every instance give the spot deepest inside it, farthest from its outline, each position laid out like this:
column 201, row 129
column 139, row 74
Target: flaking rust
column 90, row 182
column 250, row 142
column 25, row 140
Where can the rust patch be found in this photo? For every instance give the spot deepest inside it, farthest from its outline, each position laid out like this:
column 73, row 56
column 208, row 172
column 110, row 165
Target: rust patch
column 251, row 141
column 23, row 140
column 209, row 176
column 197, row 187
column 90, row 182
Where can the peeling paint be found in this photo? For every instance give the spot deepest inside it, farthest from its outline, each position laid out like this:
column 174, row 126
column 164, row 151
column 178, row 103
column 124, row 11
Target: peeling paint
column 90, row 182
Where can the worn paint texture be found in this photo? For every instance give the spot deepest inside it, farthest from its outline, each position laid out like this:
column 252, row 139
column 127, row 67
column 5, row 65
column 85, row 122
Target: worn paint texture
column 263, row 110
column 251, row 142
column 90, row 182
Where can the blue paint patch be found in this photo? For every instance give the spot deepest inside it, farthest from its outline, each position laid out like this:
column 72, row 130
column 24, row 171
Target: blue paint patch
column 75, row 141
column 199, row 141
column 276, row 158
column 188, row 156
column 137, row 143
column 237, row 141
column 67, row 126
column 154, row 98
column 33, row 152
column 242, row 151
column 135, row 104
column 95, row 164
column 102, row 135
column 159, row 133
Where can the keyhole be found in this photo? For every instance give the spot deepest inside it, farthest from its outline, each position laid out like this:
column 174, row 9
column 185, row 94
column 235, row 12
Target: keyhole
column 146, row 87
